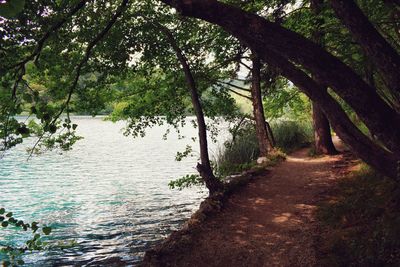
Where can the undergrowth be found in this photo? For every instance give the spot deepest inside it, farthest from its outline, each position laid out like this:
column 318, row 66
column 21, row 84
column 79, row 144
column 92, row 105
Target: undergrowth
column 291, row 135
column 362, row 222
column 241, row 152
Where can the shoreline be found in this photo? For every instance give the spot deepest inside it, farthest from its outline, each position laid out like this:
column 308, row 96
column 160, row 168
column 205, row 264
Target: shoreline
column 208, row 208
column 267, row 220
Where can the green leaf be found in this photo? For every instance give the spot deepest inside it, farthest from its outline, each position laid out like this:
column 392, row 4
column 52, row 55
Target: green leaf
column 11, row 8
column 9, row 214
column 4, row 224
column 2, row 211
column 46, row 230
column 52, row 128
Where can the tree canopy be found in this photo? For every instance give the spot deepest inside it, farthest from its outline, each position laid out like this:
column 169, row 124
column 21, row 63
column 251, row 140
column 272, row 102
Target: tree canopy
column 59, row 57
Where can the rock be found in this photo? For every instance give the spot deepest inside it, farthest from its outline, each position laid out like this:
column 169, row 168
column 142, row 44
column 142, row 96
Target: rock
column 262, row 160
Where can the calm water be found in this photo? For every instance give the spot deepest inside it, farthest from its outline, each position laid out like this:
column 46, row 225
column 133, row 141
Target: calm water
column 110, row 194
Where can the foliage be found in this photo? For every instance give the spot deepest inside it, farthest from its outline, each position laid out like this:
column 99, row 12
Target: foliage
column 186, row 153
column 11, row 8
column 239, row 153
column 287, row 103
column 290, row 135
column 186, row 181
column 362, row 221
column 13, row 254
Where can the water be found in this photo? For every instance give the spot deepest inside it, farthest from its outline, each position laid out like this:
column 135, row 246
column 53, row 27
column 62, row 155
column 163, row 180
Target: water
column 109, row 194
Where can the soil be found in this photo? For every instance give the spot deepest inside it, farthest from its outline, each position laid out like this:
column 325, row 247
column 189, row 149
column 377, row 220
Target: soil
column 268, row 222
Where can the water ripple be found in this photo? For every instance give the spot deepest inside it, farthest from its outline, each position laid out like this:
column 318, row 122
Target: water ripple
column 110, row 194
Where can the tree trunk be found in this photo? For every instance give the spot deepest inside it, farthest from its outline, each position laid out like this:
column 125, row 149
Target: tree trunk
column 385, row 57
column 271, row 136
column 378, row 157
column 261, row 35
column 204, row 168
column 264, row 141
column 322, row 130
column 322, row 133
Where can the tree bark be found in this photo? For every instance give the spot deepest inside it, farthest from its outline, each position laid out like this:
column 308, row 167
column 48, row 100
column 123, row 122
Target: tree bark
column 378, row 157
column 204, row 168
column 263, row 139
column 384, row 56
column 322, row 130
column 271, row 136
column 260, row 34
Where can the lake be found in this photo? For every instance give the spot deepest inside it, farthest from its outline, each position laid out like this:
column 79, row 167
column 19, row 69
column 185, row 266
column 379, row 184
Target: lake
column 109, row 194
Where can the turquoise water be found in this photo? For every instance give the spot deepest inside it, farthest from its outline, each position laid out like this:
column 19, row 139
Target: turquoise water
column 109, row 194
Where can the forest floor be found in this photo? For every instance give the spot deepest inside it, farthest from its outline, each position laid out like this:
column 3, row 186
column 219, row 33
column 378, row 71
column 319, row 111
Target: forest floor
column 270, row 221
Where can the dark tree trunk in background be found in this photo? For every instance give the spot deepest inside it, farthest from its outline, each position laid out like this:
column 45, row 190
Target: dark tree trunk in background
column 204, row 168
column 271, row 136
column 264, row 141
column 378, row 157
column 322, row 130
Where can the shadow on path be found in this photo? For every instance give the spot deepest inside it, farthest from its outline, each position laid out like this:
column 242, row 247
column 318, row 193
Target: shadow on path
column 270, row 221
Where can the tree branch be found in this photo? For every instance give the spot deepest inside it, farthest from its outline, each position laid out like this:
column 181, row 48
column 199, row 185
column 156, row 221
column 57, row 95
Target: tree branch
column 88, row 52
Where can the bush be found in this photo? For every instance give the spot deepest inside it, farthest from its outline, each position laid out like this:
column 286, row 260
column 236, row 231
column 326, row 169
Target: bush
column 290, row 135
column 362, row 222
column 239, row 153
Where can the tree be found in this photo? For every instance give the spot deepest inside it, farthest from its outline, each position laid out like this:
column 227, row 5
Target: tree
column 77, row 50
column 204, row 168
column 322, row 131
column 280, row 47
column 264, row 136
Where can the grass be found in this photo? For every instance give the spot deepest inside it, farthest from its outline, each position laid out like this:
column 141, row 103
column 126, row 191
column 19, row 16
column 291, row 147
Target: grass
column 291, row 135
column 241, row 153
column 362, row 222
column 238, row 154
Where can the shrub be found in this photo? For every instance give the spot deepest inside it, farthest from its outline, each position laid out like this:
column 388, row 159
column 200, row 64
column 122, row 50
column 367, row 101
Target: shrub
column 239, row 153
column 362, row 222
column 290, row 135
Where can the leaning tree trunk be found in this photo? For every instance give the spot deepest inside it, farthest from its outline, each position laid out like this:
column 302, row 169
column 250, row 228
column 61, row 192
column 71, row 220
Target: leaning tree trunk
column 264, row 141
column 204, row 168
column 378, row 157
column 322, row 130
column 261, row 35
column 282, row 48
column 384, row 56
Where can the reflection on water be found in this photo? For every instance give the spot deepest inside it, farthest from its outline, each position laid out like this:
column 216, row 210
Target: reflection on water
column 110, row 194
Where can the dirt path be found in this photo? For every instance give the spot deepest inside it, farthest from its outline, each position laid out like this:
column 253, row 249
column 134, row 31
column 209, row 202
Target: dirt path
column 270, row 221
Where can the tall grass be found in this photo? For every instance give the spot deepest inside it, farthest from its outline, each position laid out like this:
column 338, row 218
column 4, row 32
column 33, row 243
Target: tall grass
column 240, row 152
column 290, row 135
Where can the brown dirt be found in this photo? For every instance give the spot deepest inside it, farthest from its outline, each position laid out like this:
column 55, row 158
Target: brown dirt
column 269, row 222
